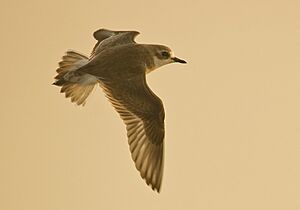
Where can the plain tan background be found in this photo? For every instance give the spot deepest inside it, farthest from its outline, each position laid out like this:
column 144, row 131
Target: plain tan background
column 232, row 113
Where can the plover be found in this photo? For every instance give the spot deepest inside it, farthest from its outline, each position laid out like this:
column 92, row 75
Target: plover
column 120, row 65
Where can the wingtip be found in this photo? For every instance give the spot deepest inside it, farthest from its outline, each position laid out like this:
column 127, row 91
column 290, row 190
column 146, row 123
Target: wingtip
column 157, row 190
column 103, row 33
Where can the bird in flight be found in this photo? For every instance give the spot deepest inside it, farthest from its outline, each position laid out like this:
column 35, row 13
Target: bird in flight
column 119, row 65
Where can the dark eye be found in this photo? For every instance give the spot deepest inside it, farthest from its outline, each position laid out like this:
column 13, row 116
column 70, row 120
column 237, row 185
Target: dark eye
column 165, row 54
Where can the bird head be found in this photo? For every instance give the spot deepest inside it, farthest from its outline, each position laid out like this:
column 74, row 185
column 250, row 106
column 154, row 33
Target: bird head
column 163, row 55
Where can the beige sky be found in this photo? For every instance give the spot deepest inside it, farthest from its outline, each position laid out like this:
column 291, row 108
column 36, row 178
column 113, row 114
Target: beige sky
column 232, row 113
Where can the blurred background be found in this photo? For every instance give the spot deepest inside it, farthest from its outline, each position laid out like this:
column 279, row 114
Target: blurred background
column 232, row 113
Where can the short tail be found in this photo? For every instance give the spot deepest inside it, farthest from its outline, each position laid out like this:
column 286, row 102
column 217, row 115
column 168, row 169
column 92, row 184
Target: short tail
column 74, row 84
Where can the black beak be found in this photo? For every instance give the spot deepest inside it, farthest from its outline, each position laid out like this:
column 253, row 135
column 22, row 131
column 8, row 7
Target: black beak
column 178, row 60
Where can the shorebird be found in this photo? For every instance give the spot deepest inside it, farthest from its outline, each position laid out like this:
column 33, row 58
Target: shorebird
column 119, row 65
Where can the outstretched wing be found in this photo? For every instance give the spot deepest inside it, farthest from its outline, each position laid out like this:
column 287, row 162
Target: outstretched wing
column 107, row 38
column 143, row 113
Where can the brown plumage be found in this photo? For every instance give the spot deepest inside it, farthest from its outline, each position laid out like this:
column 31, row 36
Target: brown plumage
column 119, row 65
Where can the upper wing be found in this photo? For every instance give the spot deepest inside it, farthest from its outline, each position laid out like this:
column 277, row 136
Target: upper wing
column 107, row 38
column 143, row 113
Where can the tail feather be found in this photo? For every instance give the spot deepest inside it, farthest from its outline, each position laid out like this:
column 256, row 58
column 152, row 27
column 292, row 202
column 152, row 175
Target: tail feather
column 74, row 84
column 71, row 61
